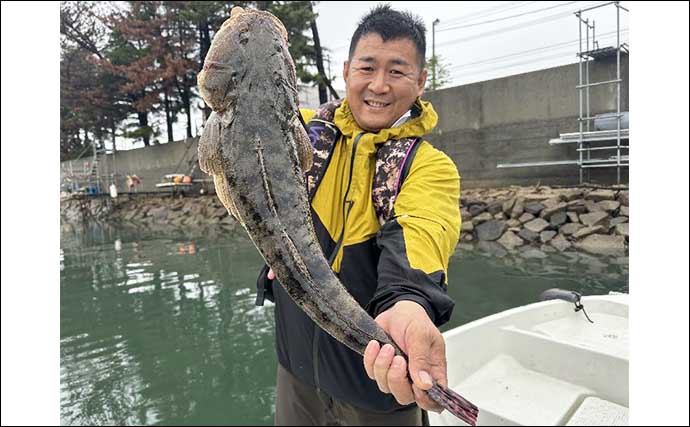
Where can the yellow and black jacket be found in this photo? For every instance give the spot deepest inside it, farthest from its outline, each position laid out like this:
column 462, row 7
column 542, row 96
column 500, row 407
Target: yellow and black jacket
column 406, row 258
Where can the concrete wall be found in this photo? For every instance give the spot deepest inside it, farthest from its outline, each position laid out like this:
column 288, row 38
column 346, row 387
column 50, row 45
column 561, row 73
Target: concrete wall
column 510, row 120
column 507, row 120
column 149, row 164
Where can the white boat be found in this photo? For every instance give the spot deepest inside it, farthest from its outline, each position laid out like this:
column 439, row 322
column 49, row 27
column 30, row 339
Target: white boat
column 543, row 364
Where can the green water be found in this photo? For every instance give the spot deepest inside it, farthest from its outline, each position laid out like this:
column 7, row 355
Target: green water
column 161, row 328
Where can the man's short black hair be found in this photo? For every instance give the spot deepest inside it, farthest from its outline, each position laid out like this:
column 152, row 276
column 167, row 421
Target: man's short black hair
column 391, row 25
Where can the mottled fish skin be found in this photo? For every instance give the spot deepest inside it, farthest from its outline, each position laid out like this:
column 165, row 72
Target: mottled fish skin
column 252, row 144
column 255, row 148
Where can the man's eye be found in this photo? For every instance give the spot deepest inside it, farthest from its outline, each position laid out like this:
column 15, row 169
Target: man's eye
column 397, row 72
column 367, row 69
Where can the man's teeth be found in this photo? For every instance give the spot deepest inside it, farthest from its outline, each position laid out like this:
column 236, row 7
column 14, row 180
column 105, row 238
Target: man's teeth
column 376, row 104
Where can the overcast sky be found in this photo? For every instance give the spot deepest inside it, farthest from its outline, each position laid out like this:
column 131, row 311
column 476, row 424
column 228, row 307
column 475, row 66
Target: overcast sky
column 481, row 40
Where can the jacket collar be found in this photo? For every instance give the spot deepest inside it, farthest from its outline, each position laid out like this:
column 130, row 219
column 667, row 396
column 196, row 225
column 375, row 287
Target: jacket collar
column 424, row 122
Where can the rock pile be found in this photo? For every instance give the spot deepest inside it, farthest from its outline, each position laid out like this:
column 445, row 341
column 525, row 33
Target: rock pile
column 512, row 218
column 148, row 211
column 589, row 219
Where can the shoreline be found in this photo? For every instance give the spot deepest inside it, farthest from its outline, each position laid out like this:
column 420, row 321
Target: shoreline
column 496, row 220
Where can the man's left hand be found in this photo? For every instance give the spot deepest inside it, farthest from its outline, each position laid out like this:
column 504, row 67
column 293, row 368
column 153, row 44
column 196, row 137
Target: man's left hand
column 412, row 330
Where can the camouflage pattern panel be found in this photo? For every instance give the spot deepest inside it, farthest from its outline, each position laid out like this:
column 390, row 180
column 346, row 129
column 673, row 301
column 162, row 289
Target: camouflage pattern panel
column 390, row 161
column 391, row 158
column 326, row 112
column 322, row 134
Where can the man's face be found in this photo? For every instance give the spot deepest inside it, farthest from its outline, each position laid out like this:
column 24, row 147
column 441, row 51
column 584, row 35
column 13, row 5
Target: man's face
column 382, row 80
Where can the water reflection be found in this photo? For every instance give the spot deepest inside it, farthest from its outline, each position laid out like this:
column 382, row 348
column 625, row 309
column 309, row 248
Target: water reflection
column 154, row 334
column 161, row 328
column 486, row 278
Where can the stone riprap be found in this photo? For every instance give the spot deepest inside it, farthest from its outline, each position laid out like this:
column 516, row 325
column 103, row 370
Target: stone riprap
column 159, row 212
column 496, row 215
column 594, row 220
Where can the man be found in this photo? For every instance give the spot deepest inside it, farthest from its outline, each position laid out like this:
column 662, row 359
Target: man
column 396, row 270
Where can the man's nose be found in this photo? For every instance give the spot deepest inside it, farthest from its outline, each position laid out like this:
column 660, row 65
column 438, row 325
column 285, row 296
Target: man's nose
column 379, row 83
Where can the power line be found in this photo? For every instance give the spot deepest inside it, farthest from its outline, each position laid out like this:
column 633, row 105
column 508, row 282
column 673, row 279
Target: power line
column 508, row 17
column 513, row 27
column 515, row 64
column 535, row 50
column 486, row 12
column 465, row 18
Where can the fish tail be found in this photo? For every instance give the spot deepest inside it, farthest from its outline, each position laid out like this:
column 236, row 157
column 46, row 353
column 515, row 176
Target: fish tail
column 454, row 403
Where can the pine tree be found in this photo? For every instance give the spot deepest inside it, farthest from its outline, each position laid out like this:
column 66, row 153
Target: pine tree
column 442, row 73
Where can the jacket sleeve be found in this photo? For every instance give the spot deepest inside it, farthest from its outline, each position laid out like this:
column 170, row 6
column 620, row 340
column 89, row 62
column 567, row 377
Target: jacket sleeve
column 420, row 238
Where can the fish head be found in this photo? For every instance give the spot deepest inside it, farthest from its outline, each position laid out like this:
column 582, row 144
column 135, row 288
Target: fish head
column 248, row 63
column 246, row 43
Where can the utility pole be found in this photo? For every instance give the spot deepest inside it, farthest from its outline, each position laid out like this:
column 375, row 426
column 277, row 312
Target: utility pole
column 328, row 61
column 321, row 77
column 433, row 53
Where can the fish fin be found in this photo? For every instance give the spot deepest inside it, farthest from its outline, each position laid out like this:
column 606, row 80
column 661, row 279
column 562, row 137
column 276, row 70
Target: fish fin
column 304, row 149
column 209, row 149
column 223, row 193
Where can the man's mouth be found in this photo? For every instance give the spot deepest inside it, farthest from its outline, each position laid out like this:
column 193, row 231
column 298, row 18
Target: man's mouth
column 376, row 104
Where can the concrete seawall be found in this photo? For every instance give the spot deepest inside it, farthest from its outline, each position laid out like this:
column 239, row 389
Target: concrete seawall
column 510, row 120
column 150, row 164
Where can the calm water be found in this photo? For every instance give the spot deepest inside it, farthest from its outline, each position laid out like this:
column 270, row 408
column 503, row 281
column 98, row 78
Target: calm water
column 159, row 328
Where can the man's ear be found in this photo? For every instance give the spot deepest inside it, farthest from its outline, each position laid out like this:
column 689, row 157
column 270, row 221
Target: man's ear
column 421, row 82
column 346, row 70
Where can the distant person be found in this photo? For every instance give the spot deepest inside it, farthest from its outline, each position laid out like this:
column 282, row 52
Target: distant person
column 132, row 182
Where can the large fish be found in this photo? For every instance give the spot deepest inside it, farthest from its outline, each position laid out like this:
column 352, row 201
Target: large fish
column 256, row 149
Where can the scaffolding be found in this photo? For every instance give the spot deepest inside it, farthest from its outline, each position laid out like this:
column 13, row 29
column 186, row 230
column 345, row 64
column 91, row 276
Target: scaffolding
column 95, row 170
column 585, row 136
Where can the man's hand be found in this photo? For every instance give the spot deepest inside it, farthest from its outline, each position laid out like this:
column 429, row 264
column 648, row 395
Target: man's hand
column 412, row 330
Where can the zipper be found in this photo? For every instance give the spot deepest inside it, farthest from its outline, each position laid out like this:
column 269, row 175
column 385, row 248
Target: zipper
column 346, row 215
column 347, row 207
column 347, row 204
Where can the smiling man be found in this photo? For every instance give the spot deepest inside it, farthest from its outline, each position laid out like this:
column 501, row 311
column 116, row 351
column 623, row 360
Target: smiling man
column 385, row 208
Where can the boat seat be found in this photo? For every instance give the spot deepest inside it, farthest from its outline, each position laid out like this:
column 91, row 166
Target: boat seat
column 597, row 336
column 599, row 412
column 512, row 394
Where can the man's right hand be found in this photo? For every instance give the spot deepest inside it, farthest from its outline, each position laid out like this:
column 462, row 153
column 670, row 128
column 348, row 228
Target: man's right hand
column 270, row 275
